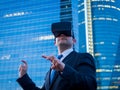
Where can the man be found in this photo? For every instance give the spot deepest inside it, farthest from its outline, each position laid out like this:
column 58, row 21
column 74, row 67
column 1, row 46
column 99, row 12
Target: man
column 74, row 71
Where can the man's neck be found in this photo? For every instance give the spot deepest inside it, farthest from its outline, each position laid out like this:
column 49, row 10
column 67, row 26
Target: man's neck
column 62, row 50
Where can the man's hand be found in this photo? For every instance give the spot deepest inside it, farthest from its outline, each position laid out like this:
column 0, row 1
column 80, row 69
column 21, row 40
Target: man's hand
column 56, row 64
column 23, row 69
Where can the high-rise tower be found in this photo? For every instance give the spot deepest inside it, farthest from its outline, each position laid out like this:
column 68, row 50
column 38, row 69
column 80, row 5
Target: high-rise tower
column 100, row 26
column 25, row 33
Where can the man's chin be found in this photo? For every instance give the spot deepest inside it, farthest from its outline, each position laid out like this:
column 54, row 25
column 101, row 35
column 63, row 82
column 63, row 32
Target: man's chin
column 63, row 44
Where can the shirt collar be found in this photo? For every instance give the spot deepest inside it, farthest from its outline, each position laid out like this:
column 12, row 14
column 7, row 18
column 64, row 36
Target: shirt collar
column 66, row 52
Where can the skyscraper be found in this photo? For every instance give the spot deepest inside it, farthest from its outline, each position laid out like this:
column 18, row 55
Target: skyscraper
column 68, row 12
column 25, row 33
column 101, row 31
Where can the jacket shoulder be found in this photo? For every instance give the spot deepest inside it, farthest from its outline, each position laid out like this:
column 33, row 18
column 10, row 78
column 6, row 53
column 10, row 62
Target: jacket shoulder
column 85, row 57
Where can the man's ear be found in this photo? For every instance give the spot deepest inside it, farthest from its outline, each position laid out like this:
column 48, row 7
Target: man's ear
column 74, row 41
column 55, row 42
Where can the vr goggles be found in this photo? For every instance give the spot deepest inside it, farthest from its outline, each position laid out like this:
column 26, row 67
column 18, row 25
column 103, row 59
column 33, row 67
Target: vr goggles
column 62, row 28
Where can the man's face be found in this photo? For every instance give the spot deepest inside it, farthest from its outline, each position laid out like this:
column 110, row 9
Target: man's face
column 63, row 40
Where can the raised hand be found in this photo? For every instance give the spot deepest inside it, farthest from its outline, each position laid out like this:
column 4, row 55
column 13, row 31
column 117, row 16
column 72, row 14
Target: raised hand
column 23, row 68
column 56, row 64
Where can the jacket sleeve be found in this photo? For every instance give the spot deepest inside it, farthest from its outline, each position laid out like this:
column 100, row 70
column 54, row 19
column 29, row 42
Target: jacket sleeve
column 27, row 84
column 83, row 75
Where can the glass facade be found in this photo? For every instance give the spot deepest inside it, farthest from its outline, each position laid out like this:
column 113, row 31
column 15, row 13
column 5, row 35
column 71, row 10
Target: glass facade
column 106, row 39
column 68, row 12
column 25, row 34
column 81, row 26
column 106, row 21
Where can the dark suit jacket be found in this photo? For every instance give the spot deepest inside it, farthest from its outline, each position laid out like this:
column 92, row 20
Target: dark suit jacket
column 79, row 74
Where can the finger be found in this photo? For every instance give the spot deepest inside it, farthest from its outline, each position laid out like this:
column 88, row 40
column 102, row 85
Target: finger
column 25, row 63
column 44, row 56
column 53, row 66
column 54, row 62
column 51, row 58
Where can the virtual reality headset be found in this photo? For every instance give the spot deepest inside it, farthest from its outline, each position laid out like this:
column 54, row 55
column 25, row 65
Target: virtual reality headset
column 62, row 28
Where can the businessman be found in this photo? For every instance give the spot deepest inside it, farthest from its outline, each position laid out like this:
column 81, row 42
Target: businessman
column 70, row 71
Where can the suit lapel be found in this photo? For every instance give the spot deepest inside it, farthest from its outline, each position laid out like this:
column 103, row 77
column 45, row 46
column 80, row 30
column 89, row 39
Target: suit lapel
column 65, row 60
column 54, row 78
column 47, row 82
